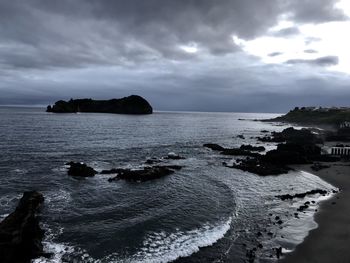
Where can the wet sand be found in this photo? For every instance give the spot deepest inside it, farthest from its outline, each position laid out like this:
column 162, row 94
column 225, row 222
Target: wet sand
column 330, row 242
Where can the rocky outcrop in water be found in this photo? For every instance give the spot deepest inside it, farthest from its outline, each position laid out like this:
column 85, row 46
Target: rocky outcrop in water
column 244, row 150
column 256, row 166
column 214, row 146
column 292, row 153
column 80, row 170
column 248, row 147
column 301, row 195
column 292, row 135
column 145, row 174
column 174, row 156
column 239, row 152
column 129, row 105
column 298, row 147
column 20, row 233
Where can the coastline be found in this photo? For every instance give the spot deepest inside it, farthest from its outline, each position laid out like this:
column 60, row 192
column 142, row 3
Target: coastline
column 329, row 241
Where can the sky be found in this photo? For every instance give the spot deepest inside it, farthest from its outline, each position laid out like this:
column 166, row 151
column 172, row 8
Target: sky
column 189, row 55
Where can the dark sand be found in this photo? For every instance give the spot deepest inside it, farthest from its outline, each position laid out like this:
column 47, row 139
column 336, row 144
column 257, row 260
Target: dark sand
column 330, row 242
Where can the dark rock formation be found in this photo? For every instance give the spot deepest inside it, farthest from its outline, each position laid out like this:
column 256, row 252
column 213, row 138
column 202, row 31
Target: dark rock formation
column 278, row 252
column 244, row 150
column 342, row 134
column 213, row 146
column 292, row 153
column 252, row 148
column 145, row 174
column 239, row 152
column 153, row 160
column 301, row 195
column 129, row 105
column 292, row 135
column 20, row 232
column 174, row 156
column 256, row 166
column 112, row 171
column 80, row 169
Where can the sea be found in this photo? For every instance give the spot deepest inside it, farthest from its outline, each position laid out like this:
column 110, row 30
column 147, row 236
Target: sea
column 205, row 212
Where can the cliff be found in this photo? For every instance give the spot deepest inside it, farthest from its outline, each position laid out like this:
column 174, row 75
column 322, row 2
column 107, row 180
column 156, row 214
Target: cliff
column 316, row 116
column 129, row 105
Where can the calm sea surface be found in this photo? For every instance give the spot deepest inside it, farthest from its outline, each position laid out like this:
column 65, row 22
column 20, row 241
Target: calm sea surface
column 202, row 213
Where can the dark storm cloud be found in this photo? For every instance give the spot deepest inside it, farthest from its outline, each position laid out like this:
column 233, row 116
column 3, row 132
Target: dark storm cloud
column 309, row 11
column 286, row 32
column 46, row 34
column 322, row 61
column 52, row 50
column 310, row 51
column 234, row 83
column 275, row 54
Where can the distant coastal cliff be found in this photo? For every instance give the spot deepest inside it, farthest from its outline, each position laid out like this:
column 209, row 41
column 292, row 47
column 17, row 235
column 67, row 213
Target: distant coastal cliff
column 316, row 115
column 128, row 105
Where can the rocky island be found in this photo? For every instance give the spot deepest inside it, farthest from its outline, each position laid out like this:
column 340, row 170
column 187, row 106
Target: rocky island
column 128, row 105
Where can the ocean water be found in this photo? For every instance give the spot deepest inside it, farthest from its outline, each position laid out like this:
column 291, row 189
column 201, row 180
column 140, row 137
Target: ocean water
column 202, row 213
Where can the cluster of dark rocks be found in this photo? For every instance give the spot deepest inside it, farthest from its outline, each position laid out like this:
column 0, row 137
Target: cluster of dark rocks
column 153, row 170
column 20, row 232
column 302, row 195
column 80, row 170
column 341, row 134
column 259, row 167
column 144, row 174
column 294, row 147
column 292, row 135
column 244, row 150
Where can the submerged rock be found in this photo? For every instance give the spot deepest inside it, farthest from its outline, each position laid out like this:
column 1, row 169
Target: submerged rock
column 20, row 233
column 80, row 169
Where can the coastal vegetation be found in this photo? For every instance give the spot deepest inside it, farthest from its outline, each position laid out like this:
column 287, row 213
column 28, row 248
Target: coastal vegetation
column 316, row 116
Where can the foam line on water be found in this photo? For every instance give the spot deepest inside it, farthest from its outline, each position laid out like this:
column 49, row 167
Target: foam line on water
column 166, row 247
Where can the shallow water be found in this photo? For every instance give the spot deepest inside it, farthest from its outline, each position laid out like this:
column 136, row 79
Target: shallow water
column 204, row 212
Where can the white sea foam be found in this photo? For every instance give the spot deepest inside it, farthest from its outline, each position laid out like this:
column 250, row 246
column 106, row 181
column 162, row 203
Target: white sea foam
column 166, row 247
column 20, row 171
column 57, row 200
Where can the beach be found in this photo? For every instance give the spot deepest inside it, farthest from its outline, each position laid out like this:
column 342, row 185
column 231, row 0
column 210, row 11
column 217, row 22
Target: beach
column 329, row 241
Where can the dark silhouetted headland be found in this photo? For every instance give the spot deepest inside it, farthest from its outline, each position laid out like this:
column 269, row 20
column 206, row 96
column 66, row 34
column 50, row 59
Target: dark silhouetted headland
column 316, row 115
column 129, row 105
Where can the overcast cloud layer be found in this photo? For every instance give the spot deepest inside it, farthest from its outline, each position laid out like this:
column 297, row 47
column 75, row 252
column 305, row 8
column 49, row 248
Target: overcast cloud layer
column 180, row 55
